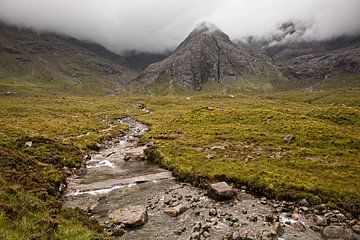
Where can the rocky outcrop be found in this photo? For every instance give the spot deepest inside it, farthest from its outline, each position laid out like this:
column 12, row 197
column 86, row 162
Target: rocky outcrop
column 207, row 54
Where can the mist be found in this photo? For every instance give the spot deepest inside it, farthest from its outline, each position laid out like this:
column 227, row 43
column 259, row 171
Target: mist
column 160, row 25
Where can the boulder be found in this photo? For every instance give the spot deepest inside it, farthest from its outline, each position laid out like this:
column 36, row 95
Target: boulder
column 336, row 232
column 176, row 211
column 221, row 191
column 132, row 216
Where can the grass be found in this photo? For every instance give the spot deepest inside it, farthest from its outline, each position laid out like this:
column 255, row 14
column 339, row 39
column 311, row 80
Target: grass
column 321, row 164
column 200, row 137
column 30, row 177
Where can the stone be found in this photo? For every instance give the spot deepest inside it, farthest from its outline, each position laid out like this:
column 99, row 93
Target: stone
column 298, row 226
column 336, row 232
column 195, row 235
column 295, row 216
column 356, row 229
column 288, row 138
column 132, row 216
column 206, row 234
column 29, row 144
column 320, row 220
column 304, row 209
column 236, row 235
column 303, row 203
column 213, row 212
column 253, row 218
column 176, row 211
column 221, row 191
column 277, row 228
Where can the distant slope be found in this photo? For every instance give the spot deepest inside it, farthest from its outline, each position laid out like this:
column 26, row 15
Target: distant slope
column 313, row 61
column 208, row 55
column 31, row 60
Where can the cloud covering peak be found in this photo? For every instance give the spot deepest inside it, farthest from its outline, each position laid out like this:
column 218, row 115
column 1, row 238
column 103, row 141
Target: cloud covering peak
column 158, row 25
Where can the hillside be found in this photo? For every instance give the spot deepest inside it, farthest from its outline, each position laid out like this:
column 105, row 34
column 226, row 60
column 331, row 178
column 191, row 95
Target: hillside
column 52, row 62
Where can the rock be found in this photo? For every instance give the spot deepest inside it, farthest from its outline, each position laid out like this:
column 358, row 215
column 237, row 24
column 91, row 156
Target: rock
column 195, row 235
column 206, row 234
column 29, row 144
column 210, row 156
column 117, row 231
column 132, row 216
column 304, row 209
column 303, row 203
column 213, row 212
column 336, row 232
column 298, row 226
column 253, row 218
column 288, row 138
column 295, row 216
column 236, row 235
column 277, row 228
column 221, row 191
column 176, row 211
column 356, row 229
column 320, row 220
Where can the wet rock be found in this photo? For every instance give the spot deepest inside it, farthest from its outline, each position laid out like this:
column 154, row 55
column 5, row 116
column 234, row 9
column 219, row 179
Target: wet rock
column 336, row 232
column 117, row 231
column 298, row 226
column 177, row 210
column 212, row 212
column 288, row 138
column 303, row 203
column 221, row 191
column 295, row 216
column 304, row 209
column 206, row 234
column 277, row 228
column 320, row 220
column 195, row 235
column 180, row 231
column 132, row 216
column 356, row 229
column 236, row 235
column 253, row 218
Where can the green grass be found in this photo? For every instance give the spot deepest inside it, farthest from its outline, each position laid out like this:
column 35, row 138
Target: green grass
column 30, row 177
column 321, row 164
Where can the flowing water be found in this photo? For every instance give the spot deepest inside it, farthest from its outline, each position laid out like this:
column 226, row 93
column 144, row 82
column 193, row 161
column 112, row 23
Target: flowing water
column 118, row 176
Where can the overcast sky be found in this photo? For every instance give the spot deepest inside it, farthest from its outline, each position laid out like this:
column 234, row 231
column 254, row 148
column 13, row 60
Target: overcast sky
column 157, row 25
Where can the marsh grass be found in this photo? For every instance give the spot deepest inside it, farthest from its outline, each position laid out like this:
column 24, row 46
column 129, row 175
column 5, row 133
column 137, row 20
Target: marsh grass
column 242, row 134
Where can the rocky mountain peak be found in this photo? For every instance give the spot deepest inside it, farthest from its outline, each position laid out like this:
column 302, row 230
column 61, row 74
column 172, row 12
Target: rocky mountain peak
column 207, row 54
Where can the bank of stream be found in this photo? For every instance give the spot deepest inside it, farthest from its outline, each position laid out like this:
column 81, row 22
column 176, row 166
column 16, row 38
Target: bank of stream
column 133, row 199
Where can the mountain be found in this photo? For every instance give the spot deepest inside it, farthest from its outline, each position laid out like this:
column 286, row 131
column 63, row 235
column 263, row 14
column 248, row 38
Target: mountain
column 308, row 60
column 49, row 61
column 207, row 55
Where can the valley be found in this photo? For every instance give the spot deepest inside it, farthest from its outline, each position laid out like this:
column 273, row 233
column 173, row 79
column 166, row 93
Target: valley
column 102, row 145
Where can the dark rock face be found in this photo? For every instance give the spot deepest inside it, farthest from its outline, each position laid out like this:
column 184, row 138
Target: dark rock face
column 207, row 54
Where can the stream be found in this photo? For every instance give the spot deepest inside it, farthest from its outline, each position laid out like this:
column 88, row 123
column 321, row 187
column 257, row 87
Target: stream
column 118, row 183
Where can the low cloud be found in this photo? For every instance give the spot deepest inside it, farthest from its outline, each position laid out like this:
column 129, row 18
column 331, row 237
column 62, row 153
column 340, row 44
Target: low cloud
column 159, row 25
